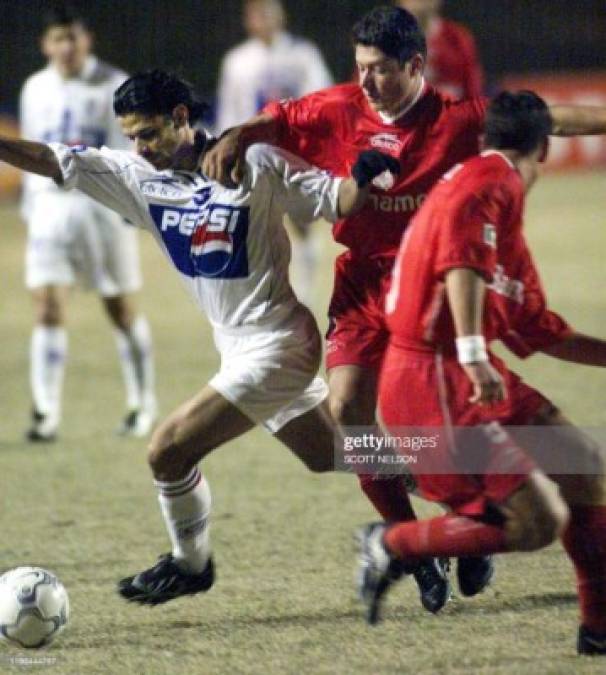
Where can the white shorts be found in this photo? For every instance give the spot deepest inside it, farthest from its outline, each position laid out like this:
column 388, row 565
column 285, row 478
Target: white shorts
column 72, row 238
column 270, row 374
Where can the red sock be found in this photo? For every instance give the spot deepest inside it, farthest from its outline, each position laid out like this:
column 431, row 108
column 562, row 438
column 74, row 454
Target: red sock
column 585, row 543
column 388, row 495
column 448, row 535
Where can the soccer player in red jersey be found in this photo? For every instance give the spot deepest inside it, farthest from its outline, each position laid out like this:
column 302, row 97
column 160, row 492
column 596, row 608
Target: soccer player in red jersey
column 453, row 65
column 393, row 109
column 463, row 278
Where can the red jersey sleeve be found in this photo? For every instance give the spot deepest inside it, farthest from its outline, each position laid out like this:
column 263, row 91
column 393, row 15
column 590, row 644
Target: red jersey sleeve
column 312, row 126
column 469, row 231
column 534, row 327
column 302, row 115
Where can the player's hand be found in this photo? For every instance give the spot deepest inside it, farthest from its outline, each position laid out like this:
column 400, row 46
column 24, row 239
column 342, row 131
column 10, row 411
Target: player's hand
column 372, row 163
column 224, row 162
column 488, row 385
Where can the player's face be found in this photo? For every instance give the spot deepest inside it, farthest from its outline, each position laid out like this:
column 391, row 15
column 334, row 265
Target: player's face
column 262, row 20
column 156, row 137
column 388, row 86
column 67, row 47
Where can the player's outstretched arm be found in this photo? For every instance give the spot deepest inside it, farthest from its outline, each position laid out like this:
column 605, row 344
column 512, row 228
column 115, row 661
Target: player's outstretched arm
column 225, row 161
column 29, row 156
column 465, row 290
column 579, row 348
column 354, row 191
column 578, row 120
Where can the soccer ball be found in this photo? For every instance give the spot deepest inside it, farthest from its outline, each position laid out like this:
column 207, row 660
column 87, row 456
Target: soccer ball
column 34, row 606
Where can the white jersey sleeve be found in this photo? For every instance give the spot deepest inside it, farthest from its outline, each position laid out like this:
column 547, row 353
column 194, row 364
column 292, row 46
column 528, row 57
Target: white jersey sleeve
column 304, row 191
column 108, row 176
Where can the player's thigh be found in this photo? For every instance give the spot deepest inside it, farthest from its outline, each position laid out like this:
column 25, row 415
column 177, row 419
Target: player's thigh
column 352, row 394
column 535, row 514
column 570, row 457
column 312, row 437
column 192, row 431
column 50, row 302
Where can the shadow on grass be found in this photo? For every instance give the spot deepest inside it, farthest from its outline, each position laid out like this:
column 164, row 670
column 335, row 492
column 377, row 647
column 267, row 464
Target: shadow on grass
column 167, row 631
column 140, row 633
column 517, row 604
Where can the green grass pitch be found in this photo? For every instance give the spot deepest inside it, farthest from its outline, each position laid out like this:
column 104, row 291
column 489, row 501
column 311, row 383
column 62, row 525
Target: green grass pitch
column 284, row 598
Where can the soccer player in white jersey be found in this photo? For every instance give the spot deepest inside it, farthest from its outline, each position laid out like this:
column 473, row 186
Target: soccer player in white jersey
column 72, row 237
column 232, row 253
column 270, row 65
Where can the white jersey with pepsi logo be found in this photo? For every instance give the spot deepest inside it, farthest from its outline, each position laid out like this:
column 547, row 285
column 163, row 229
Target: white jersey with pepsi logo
column 229, row 246
column 72, row 111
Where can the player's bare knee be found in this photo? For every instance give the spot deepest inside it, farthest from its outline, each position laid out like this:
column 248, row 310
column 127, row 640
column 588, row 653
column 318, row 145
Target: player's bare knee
column 165, row 462
column 49, row 312
column 120, row 312
column 532, row 531
column 163, row 454
column 536, row 515
column 547, row 527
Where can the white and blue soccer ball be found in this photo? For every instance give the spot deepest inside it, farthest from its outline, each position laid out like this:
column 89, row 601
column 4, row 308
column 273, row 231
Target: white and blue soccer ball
column 34, row 607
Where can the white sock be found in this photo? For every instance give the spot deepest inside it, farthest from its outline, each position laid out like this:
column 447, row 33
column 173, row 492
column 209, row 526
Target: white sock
column 185, row 505
column 48, row 353
column 136, row 359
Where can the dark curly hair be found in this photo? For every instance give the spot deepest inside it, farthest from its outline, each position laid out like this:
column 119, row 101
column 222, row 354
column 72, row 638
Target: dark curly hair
column 517, row 121
column 60, row 14
column 393, row 30
column 157, row 92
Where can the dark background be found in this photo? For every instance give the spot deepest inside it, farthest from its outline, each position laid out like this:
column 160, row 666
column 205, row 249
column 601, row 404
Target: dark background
column 192, row 35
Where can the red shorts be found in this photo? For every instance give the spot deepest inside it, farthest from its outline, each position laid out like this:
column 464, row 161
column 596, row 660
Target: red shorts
column 357, row 334
column 421, row 389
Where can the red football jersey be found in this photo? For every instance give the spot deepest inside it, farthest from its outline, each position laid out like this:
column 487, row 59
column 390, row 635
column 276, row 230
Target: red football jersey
column 453, row 65
column 330, row 127
column 472, row 219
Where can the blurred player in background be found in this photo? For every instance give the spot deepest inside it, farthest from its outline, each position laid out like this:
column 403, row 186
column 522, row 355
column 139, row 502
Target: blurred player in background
column 391, row 108
column 453, row 65
column 464, row 277
column 71, row 236
column 231, row 252
column 269, row 66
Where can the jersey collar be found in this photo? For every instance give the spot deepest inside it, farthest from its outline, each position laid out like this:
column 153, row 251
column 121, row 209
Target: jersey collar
column 90, row 64
column 392, row 119
column 492, row 151
column 89, row 67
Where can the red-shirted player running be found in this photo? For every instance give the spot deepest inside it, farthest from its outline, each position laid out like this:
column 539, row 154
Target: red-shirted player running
column 393, row 109
column 453, row 65
column 463, row 278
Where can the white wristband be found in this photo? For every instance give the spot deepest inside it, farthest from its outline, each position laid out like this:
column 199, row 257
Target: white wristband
column 471, row 349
